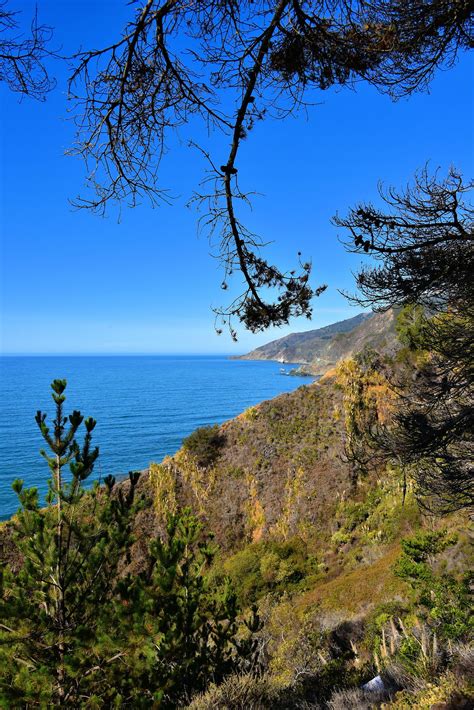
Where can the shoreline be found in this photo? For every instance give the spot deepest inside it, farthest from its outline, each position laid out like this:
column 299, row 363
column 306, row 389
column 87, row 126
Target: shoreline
column 164, row 437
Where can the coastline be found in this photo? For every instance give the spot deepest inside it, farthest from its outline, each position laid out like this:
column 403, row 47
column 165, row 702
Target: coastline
column 144, row 407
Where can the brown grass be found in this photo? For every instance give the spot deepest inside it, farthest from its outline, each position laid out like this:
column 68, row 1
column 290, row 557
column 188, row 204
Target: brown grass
column 356, row 591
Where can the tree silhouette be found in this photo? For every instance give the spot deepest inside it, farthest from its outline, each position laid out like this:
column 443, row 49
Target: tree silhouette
column 424, row 243
column 22, row 58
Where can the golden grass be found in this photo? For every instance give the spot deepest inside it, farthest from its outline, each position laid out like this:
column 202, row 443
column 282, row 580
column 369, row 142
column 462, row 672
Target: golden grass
column 359, row 589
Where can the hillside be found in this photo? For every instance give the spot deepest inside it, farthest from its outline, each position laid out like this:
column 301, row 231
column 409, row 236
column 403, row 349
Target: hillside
column 304, row 347
column 313, row 543
column 280, row 472
column 305, row 537
column 319, row 350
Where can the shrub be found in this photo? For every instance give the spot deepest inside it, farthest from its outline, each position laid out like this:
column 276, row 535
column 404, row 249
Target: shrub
column 445, row 600
column 239, row 692
column 355, row 699
column 205, row 444
column 191, row 633
column 268, row 566
column 409, row 327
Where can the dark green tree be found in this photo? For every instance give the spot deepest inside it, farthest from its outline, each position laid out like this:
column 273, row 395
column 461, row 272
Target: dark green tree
column 56, row 611
column 79, row 630
column 422, row 242
column 189, row 628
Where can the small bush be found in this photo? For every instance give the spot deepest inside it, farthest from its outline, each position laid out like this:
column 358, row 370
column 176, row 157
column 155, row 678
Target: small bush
column 445, row 600
column 268, row 566
column 462, row 664
column 355, row 699
column 205, row 444
column 238, row 693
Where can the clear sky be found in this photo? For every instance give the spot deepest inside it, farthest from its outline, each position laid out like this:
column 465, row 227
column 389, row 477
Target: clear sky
column 73, row 282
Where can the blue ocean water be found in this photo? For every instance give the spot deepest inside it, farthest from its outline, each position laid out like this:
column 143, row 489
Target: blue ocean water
column 144, row 406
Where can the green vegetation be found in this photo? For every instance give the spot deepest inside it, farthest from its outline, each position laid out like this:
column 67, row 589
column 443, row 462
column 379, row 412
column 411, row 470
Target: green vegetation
column 422, row 239
column 381, row 517
column 267, row 566
column 57, row 611
column 204, row 444
column 409, row 327
column 77, row 628
column 184, row 627
column 445, row 598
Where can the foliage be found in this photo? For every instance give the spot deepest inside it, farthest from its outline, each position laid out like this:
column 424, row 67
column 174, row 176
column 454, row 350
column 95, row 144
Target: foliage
column 409, row 327
column 445, row 693
column 309, row 652
column 378, row 619
column 77, row 629
column 204, row 444
column 357, row 699
column 230, row 65
column 426, row 669
column 164, row 489
column 432, row 673
column 367, row 400
column 57, row 611
column 251, row 414
column 268, row 566
column 424, row 241
column 189, row 626
column 382, row 516
column 357, row 590
column 239, row 692
column 445, row 599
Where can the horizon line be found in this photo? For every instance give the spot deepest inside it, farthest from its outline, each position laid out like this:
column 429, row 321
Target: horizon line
column 117, row 354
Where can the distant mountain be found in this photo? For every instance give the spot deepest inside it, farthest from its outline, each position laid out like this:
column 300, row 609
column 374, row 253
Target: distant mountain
column 319, row 350
column 304, row 347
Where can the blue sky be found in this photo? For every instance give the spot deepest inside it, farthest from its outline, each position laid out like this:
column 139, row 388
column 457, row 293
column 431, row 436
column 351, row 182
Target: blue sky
column 73, row 282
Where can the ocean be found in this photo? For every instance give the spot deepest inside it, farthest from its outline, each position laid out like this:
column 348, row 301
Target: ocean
column 144, row 406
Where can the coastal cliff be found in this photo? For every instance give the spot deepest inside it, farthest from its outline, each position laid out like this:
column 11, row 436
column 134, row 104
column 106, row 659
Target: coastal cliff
column 308, row 537
column 318, row 351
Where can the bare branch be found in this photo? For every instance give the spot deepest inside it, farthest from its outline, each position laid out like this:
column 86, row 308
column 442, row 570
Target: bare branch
column 230, row 64
column 22, row 59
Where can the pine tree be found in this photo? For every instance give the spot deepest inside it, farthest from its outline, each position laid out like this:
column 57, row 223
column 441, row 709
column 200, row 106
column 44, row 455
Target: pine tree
column 191, row 631
column 421, row 242
column 55, row 642
column 77, row 630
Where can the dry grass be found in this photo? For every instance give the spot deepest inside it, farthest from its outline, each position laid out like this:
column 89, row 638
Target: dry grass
column 357, row 591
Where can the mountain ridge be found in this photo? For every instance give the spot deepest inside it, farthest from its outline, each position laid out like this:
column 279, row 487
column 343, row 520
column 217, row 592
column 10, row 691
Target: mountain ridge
column 317, row 351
